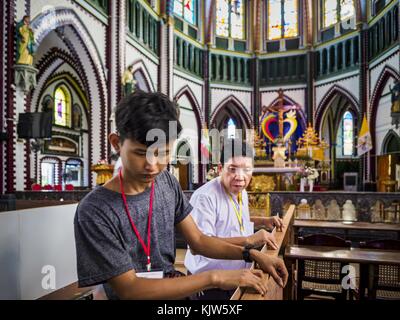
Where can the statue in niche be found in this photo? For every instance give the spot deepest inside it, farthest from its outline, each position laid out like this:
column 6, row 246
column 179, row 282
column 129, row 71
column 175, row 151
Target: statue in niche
column 395, row 91
column 303, row 210
column 128, row 82
column 25, row 42
column 349, row 211
column 319, row 210
column 376, row 212
column 77, row 117
column 395, row 109
column 334, row 211
column 279, row 156
column 47, row 103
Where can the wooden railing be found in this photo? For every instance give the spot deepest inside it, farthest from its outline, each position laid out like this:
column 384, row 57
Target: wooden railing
column 375, row 207
column 283, row 238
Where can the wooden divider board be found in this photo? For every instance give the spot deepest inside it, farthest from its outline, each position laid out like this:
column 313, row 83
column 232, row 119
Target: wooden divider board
column 275, row 292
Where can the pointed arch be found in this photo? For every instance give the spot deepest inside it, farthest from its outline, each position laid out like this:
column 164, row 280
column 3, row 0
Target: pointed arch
column 388, row 138
column 327, row 100
column 81, row 46
column 387, row 73
column 187, row 91
column 139, row 66
column 245, row 116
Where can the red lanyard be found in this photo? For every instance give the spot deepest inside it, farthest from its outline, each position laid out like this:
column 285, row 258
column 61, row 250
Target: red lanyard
column 146, row 249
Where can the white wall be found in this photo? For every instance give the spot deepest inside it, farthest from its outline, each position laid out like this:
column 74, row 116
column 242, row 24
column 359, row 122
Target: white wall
column 31, row 239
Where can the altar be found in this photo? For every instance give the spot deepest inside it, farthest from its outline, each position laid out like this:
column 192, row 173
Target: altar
column 286, row 150
column 266, row 179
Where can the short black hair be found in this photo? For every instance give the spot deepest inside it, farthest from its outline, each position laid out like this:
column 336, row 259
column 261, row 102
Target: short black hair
column 235, row 148
column 140, row 112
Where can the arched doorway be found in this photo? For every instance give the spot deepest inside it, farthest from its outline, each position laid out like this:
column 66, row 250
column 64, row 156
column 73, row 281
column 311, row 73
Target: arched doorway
column 191, row 119
column 338, row 122
column 183, row 165
column 385, row 153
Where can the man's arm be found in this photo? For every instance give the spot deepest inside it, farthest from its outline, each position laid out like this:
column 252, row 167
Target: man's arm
column 257, row 239
column 129, row 286
column 216, row 248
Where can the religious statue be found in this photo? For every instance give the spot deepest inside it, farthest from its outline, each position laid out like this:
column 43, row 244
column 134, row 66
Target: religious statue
column 25, row 42
column 349, row 211
column 395, row 109
column 303, row 210
column 319, row 210
column 279, row 156
column 395, row 91
column 334, row 211
column 47, row 103
column 128, row 82
column 77, row 116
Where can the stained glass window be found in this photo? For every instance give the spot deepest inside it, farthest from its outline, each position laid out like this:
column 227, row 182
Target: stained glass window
column 282, row 19
column 61, row 107
column 274, row 19
column 337, row 10
column 290, row 18
column 222, row 16
column 330, row 12
column 237, row 25
column 231, row 129
column 230, row 16
column 348, row 132
column 178, row 5
column 186, row 9
column 347, row 9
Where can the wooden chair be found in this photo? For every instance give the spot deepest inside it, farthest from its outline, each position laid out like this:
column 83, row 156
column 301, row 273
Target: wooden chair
column 321, row 277
column 384, row 280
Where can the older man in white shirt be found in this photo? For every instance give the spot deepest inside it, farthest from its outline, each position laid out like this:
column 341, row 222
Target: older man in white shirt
column 221, row 209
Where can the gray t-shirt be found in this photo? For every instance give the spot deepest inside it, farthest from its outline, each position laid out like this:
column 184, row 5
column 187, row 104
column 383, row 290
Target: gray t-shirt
column 106, row 245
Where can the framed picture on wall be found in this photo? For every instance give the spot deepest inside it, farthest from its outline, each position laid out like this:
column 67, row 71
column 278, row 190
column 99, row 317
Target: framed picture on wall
column 398, row 176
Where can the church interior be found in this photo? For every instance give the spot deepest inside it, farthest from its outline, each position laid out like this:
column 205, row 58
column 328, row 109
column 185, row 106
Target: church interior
column 313, row 86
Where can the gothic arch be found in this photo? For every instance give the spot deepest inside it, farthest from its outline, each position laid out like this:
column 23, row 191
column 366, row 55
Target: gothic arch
column 139, row 66
column 327, row 100
column 187, row 91
column 387, row 73
column 242, row 111
column 390, row 135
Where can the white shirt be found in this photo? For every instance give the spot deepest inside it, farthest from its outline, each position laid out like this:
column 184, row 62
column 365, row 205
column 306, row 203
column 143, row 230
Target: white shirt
column 117, row 165
column 214, row 215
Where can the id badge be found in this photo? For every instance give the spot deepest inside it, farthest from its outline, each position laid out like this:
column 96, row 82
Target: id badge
column 151, row 274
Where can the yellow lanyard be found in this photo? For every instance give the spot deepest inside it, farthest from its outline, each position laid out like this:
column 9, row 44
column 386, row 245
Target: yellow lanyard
column 239, row 214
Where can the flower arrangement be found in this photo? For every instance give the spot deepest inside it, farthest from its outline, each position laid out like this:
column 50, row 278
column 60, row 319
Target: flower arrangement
column 308, row 173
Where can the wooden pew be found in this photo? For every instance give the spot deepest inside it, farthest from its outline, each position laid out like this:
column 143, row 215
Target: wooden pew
column 275, row 292
column 387, row 228
column 73, row 292
column 350, row 255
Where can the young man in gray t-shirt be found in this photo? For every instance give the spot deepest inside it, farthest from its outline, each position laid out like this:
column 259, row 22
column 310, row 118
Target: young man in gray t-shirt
column 125, row 229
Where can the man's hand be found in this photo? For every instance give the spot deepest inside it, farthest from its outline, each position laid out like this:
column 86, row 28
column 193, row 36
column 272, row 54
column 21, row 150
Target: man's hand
column 262, row 237
column 275, row 267
column 231, row 279
column 274, row 221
